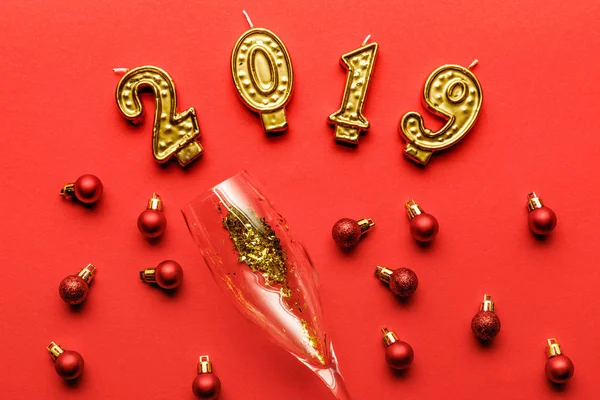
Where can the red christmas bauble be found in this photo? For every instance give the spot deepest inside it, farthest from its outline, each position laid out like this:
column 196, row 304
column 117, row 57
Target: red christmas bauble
column 559, row 369
column 399, row 355
column 169, row 274
column 69, row 365
column 346, row 233
column 403, row 282
column 88, row 188
column 152, row 223
column 73, row 289
column 485, row 325
column 424, row 227
column 542, row 220
column 206, row 386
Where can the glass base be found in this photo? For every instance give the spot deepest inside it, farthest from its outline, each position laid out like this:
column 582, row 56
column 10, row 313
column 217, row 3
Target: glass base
column 332, row 377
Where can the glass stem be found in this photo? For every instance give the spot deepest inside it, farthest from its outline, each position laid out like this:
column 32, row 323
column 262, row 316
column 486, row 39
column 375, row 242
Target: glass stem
column 334, row 381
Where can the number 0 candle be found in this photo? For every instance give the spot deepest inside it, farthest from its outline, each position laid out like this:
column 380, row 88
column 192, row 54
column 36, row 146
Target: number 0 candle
column 262, row 73
column 453, row 92
column 348, row 120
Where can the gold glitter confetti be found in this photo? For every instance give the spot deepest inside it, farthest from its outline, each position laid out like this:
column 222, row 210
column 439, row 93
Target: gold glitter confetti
column 313, row 341
column 257, row 246
column 260, row 249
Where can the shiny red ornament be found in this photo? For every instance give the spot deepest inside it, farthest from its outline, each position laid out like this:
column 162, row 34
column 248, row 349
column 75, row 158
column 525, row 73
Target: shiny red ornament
column 206, row 385
column 168, row 274
column 423, row 227
column 68, row 363
column 399, row 355
column 542, row 220
column 75, row 288
column 86, row 189
column 486, row 324
column 152, row 221
column 347, row 232
column 559, row 368
column 403, row 282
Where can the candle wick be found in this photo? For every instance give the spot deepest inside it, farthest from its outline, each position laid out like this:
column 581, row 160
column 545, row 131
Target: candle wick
column 474, row 63
column 248, row 19
column 120, row 70
column 366, row 40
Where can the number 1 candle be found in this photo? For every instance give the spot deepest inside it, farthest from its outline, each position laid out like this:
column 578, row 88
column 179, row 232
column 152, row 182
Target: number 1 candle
column 348, row 120
column 262, row 73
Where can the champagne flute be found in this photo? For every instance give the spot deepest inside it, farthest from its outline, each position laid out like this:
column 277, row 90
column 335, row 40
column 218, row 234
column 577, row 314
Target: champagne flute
column 266, row 272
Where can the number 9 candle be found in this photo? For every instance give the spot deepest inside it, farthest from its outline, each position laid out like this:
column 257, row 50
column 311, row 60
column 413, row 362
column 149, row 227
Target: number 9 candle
column 263, row 76
column 348, row 120
column 452, row 92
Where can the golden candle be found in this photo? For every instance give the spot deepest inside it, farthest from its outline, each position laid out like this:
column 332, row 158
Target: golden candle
column 173, row 134
column 452, row 92
column 348, row 120
column 263, row 76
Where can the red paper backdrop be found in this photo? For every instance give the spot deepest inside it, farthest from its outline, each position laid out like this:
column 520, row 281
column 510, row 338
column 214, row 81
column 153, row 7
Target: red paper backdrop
column 538, row 64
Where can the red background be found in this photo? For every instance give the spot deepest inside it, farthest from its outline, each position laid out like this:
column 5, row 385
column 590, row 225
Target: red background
column 538, row 67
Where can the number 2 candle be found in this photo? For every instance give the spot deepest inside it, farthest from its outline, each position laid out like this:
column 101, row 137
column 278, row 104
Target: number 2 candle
column 173, row 134
column 262, row 73
column 453, row 92
column 348, row 120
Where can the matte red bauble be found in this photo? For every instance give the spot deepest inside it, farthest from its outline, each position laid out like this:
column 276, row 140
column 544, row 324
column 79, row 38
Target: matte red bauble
column 68, row 363
column 399, row 355
column 423, row 227
column 559, row 368
column 206, row 385
column 86, row 189
column 152, row 222
column 541, row 219
column 168, row 274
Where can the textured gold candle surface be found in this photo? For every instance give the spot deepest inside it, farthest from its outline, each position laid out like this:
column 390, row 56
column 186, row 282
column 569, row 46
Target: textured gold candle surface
column 263, row 76
column 173, row 134
column 348, row 120
column 452, row 92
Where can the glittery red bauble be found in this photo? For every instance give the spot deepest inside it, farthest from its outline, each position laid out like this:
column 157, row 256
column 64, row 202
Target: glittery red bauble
column 424, row 227
column 88, row 189
column 152, row 223
column 485, row 325
column 206, row 386
column 169, row 274
column 73, row 289
column 346, row 233
column 403, row 282
column 69, row 365
column 399, row 355
column 542, row 220
column 559, row 369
